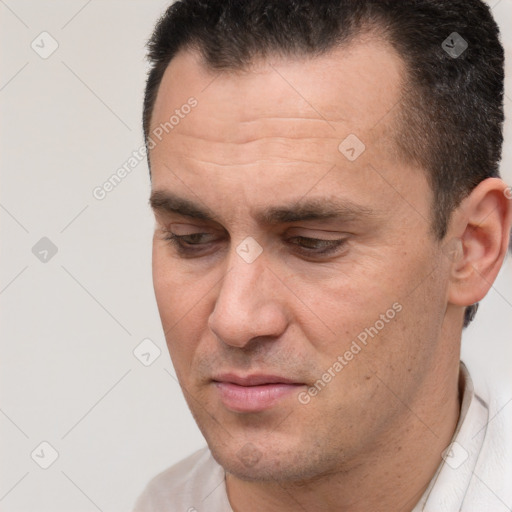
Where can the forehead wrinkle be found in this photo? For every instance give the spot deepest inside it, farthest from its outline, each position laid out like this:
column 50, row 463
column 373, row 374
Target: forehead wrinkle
column 262, row 148
column 253, row 138
column 284, row 129
column 275, row 160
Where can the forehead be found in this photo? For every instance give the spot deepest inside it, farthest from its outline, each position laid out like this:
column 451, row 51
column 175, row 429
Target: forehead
column 278, row 125
column 356, row 85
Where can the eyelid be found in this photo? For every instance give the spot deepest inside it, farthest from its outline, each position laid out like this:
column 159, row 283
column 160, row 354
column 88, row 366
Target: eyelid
column 308, row 232
column 192, row 250
column 320, row 234
column 182, row 229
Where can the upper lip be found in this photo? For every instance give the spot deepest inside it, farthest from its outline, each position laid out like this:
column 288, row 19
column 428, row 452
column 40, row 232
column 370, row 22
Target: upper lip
column 253, row 380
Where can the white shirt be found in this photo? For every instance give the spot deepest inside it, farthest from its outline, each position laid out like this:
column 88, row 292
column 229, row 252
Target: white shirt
column 475, row 475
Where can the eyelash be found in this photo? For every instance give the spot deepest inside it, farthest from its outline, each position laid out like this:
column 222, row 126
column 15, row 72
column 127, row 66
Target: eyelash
column 178, row 242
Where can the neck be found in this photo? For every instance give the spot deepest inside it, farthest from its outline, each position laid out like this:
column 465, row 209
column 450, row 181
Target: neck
column 391, row 479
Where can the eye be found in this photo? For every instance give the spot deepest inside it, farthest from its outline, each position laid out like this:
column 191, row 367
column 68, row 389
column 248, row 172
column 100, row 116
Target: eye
column 185, row 243
column 318, row 245
column 193, row 239
column 194, row 243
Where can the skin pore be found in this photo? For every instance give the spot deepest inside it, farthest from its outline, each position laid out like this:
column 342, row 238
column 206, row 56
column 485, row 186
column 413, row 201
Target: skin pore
column 266, row 140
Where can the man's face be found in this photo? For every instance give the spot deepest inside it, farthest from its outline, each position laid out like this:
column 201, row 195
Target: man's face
column 255, row 337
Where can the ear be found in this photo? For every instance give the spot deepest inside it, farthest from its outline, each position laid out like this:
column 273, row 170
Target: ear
column 482, row 225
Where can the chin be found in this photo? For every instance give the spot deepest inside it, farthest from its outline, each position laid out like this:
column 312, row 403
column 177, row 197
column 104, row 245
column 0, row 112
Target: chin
column 252, row 464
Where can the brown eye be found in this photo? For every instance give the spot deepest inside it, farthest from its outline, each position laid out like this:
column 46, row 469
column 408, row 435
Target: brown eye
column 318, row 246
column 187, row 244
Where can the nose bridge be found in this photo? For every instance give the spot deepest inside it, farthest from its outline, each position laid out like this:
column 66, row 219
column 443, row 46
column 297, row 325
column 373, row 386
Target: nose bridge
column 246, row 306
column 241, row 279
column 243, row 284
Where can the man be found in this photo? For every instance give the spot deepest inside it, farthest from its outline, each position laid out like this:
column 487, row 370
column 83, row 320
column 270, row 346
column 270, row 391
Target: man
column 328, row 213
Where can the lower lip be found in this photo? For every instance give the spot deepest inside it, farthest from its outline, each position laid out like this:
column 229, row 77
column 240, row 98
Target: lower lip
column 253, row 398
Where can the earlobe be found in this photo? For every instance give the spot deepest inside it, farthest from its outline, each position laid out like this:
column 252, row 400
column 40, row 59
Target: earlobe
column 482, row 225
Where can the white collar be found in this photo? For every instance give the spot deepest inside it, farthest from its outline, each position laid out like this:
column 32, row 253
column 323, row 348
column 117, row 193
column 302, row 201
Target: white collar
column 448, row 488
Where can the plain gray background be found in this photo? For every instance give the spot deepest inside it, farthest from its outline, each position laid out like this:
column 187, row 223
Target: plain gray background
column 71, row 323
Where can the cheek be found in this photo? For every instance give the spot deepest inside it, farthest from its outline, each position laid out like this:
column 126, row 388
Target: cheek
column 375, row 304
column 162, row 282
column 172, row 286
column 344, row 302
column 182, row 303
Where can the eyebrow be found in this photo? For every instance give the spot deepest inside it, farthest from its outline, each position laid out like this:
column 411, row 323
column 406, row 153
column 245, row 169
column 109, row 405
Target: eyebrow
column 300, row 210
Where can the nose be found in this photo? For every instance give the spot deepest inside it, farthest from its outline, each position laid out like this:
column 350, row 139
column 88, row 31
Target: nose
column 249, row 304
